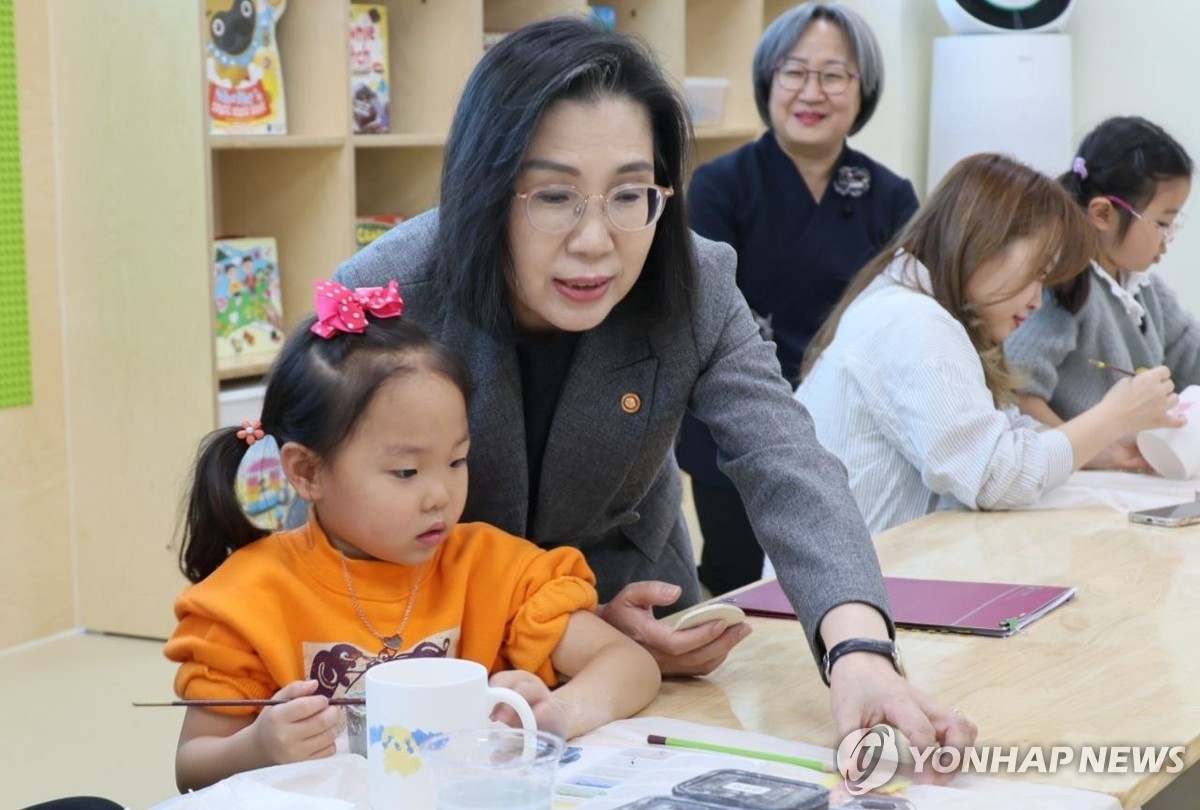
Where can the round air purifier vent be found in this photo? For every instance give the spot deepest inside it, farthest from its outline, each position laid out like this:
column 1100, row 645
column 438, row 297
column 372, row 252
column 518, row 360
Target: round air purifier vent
column 1005, row 16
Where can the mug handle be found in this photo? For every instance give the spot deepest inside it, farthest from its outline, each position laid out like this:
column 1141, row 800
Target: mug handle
column 498, row 694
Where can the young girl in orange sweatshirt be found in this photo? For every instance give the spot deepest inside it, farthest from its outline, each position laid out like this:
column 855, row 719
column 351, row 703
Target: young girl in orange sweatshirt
column 367, row 418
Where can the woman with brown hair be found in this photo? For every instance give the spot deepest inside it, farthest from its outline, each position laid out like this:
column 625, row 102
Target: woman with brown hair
column 907, row 381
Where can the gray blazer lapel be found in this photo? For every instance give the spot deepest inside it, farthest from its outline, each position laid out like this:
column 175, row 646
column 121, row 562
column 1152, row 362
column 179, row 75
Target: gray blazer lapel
column 601, row 418
column 498, row 469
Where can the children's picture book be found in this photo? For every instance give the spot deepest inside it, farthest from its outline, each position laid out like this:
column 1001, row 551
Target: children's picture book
column 248, row 310
column 369, row 228
column 369, row 68
column 242, row 67
column 605, row 15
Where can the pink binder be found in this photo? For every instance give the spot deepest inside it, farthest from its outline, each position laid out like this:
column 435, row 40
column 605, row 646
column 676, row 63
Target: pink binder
column 980, row 608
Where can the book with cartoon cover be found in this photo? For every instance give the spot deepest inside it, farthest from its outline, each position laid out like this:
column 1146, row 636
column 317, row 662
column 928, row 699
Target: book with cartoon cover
column 248, row 320
column 369, row 228
column 369, row 93
column 242, row 67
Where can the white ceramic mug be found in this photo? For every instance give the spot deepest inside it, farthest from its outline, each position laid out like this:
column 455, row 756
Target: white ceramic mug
column 411, row 700
column 1175, row 452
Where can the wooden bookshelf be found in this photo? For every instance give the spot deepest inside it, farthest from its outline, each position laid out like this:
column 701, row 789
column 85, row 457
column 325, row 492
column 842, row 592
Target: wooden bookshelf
column 305, row 188
column 241, row 368
column 221, row 142
column 392, row 140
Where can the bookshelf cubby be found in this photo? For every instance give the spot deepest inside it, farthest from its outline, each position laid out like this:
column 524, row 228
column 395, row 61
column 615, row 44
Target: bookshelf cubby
column 147, row 388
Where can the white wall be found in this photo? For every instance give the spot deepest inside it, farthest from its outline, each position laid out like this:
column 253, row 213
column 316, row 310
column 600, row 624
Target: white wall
column 899, row 130
column 1138, row 58
column 1144, row 59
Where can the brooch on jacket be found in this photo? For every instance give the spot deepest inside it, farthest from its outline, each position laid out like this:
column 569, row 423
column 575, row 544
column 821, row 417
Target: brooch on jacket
column 852, row 181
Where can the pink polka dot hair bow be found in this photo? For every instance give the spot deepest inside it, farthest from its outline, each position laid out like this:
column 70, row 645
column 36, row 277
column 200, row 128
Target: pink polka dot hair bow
column 341, row 309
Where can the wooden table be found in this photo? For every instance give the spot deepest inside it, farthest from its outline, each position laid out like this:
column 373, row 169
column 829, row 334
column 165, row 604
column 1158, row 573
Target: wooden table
column 1119, row 665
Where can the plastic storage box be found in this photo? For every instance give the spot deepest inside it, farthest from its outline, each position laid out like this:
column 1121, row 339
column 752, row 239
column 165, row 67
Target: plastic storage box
column 706, row 97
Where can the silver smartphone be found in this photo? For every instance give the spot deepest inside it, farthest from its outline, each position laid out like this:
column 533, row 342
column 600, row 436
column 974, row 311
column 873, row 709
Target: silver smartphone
column 1180, row 514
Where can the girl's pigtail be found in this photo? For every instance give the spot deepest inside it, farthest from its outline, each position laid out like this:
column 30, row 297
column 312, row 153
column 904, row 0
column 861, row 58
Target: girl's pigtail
column 1072, row 294
column 214, row 523
column 1074, row 184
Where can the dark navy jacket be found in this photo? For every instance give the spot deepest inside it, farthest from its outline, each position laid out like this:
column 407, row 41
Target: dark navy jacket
column 795, row 256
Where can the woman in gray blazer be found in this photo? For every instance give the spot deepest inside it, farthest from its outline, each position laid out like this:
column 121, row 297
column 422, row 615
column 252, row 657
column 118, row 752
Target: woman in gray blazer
column 560, row 265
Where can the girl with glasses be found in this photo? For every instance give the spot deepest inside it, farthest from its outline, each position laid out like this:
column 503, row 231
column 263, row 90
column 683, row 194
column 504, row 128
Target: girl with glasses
column 560, row 263
column 804, row 212
column 1132, row 180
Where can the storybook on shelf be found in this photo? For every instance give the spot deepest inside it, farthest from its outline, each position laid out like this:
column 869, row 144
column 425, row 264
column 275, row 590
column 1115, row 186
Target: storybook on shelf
column 248, row 321
column 369, row 228
column 369, row 89
column 243, row 74
column 952, row 606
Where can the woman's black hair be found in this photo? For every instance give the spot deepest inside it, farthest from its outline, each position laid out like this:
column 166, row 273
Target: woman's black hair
column 317, row 391
column 559, row 59
column 1125, row 157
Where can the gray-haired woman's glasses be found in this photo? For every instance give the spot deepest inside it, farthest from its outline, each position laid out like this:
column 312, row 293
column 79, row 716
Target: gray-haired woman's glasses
column 629, row 207
column 793, row 76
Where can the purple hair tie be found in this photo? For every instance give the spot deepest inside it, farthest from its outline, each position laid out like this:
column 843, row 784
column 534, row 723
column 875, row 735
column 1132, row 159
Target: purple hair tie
column 1079, row 166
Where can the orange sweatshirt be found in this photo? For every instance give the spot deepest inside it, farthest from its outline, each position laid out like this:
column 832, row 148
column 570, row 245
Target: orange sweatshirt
column 278, row 611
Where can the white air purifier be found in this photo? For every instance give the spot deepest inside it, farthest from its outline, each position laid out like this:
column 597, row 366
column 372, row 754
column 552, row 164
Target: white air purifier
column 999, row 88
column 1005, row 16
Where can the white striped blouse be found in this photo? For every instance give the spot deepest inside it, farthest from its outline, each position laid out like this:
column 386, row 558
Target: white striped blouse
column 899, row 396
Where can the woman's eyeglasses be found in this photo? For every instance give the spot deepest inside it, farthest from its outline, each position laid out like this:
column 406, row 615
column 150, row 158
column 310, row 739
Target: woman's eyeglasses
column 833, row 81
column 1168, row 231
column 629, row 207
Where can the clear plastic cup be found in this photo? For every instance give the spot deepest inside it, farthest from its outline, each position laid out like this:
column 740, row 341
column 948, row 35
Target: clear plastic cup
column 493, row 768
column 356, row 723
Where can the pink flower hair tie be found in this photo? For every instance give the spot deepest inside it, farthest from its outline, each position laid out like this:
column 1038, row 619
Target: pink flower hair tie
column 341, row 309
column 251, row 431
column 1079, row 166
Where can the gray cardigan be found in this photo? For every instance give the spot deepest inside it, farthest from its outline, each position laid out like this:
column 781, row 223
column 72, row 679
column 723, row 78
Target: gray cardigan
column 610, row 485
column 1053, row 347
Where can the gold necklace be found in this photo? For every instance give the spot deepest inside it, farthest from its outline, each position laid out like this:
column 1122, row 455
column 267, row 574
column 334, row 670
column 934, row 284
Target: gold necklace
column 394, row 641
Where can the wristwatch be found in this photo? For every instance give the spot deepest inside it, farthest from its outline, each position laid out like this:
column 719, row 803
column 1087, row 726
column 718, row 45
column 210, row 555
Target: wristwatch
column 871, row 645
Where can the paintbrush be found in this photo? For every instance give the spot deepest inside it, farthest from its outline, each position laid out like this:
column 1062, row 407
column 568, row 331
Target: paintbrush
column 337, row 701
column 1125, row 371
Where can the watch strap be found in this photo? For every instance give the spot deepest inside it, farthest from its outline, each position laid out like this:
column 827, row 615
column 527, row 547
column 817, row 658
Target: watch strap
column 887, row 649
